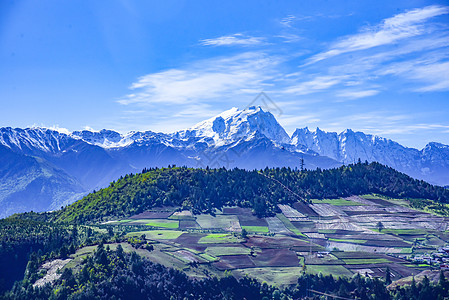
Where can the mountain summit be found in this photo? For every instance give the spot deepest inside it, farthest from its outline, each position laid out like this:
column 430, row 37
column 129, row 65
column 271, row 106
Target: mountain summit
column 53, row 168
column 235, row 125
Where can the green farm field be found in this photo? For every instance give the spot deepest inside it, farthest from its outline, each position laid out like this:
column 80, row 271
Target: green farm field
column 216, row 244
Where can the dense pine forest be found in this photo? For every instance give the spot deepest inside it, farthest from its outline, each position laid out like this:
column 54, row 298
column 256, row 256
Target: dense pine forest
column 118, row 275
column 203, row 190
column 27, row 240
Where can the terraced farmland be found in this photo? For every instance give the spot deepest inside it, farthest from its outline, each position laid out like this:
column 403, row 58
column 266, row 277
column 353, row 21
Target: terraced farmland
column 339, row 237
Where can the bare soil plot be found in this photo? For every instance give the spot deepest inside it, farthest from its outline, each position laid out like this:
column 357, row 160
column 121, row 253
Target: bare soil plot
column 278, row 276
column 338, row 231
column 320, row 242
column 379, row 269
column 361, row 200
column 182, row 215
column 401, row 209
column 157, row 234
column 52, row 268
column 304, row 209
column 356, row 255
column 305, row 226
column 442, row 235
column 365, row 261
column 387, row 243
column 231, row 262
column 362, row 248
column 246, row 220
column 394, row 259
column 363, row 236
column 364, row 208
column 327, row 210
column 337, row 202
column 324, row 260
column 340, row 224
column 276, row 226
column 189, row 239
column 224, row 222
column 312, row 247
column 315, row 235
column 290, row 212
column 152, row 215
column 188, row 224
column 186, row 256
column 276, row 258
column 381, row 202
column 402, row 270
column 288, row 224
column 274, row 242
column 358, row 213
column 237, row 211
column 377, row 240
column 414, row 232
column 224, row 251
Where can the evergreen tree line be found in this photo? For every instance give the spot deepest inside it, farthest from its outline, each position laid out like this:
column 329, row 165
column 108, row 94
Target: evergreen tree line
column 109, row 274
column 26, row 244
column 203, row 190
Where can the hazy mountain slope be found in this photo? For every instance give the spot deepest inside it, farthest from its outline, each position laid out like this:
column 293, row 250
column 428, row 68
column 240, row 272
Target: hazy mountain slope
column 28, row 183
column 251, row 139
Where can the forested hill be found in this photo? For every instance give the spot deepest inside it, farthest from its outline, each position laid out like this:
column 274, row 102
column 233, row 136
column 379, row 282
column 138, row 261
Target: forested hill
column 202, row 190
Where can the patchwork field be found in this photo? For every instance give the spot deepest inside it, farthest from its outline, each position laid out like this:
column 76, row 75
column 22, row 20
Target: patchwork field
column 331, row 236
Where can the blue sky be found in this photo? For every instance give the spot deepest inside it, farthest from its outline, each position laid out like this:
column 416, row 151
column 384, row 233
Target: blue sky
column 381, row 67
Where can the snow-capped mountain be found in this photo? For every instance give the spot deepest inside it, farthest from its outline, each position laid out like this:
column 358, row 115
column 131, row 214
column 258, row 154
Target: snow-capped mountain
column 234, row 125
column 430, row 163
column 43, row 168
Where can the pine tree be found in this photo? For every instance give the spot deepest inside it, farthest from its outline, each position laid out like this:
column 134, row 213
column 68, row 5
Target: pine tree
column 387, row 276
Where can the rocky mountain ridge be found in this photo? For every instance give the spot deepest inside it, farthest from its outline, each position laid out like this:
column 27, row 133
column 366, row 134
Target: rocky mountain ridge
column 81, row 161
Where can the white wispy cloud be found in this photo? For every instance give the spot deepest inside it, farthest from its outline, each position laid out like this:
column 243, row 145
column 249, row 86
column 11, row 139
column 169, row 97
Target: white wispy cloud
column 318, row 83
column 289, row 20
column 203, row 88
column 356, row 94
column 237, row 39
column 391, row 30
column 385, row 123
column 433, row 74
column 205, row 80
column 289, row 37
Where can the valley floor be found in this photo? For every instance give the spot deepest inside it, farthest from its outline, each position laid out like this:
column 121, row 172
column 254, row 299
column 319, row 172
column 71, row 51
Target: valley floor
column 334, row 236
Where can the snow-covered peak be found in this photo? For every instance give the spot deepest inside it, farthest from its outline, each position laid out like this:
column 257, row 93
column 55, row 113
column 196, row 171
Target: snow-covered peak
column 319, row 141
column 234, row 125
column 435, row 145
column 42, row 139
column 104, row 138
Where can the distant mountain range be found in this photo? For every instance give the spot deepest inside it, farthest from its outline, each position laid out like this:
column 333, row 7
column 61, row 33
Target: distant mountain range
column 43, row 169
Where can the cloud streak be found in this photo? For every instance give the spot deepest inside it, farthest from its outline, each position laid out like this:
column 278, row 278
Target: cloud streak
column 205, row 80
column 237, row 39
column 408, row 50
column 391, row 30
column 433, row 73
column 355, row 94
